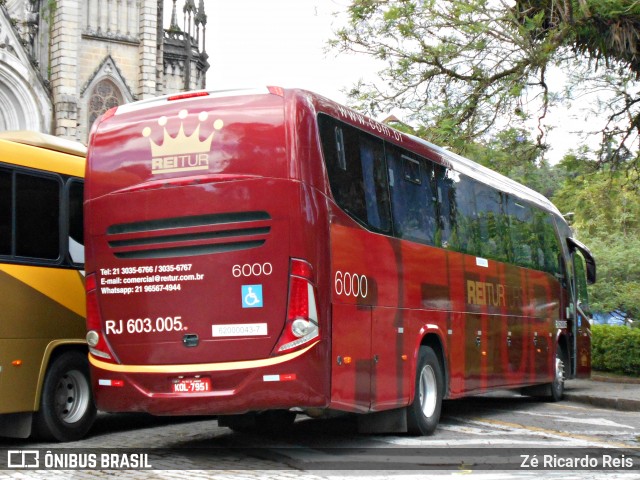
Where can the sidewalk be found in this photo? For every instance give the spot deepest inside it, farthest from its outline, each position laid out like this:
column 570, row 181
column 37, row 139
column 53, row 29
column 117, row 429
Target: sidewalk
column 606, row 391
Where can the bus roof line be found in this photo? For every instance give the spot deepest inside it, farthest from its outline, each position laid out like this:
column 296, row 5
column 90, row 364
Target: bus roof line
column 141, row 104
column 43, row 140
column 480, row 172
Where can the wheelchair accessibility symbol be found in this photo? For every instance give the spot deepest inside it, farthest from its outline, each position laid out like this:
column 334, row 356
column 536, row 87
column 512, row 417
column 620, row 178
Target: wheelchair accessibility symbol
column 251, row 296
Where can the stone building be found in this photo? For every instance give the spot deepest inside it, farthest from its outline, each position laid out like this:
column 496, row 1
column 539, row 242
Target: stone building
column 65, row 62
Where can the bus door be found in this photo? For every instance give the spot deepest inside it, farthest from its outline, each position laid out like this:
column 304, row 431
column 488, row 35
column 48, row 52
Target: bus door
column 582, row 270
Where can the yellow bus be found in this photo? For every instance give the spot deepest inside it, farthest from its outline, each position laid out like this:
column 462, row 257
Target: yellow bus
column 45, row 388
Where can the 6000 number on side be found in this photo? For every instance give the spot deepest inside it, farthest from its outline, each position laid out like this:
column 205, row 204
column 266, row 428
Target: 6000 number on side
column 351, row 284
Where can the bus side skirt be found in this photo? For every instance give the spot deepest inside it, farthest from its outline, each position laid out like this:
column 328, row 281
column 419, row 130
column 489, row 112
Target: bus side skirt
column 388, row 421
column 16, row 425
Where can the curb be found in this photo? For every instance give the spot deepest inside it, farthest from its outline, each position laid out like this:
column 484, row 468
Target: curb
column 597, row 377
column 623, row 404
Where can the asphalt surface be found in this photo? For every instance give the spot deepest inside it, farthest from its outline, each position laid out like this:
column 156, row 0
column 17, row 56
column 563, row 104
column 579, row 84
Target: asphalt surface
column 607, row 391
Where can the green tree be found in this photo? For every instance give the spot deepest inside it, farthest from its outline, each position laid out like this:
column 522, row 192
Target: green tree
column 462, row 67
column 515, row 155
column 606, row 215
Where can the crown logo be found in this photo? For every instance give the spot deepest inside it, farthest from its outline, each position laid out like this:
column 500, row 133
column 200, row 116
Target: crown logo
column 182, row 144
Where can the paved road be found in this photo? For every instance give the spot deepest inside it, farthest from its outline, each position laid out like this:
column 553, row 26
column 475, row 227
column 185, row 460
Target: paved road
column 333, row 449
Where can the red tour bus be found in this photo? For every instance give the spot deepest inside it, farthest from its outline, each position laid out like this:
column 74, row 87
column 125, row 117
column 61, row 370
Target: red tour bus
column 256, row 254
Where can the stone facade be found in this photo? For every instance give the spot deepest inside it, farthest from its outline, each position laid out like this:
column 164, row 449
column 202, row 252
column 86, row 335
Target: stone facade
column 65, row 62
column 25, row 103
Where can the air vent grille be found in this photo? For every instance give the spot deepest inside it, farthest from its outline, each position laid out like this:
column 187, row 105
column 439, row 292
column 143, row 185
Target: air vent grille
column 189, row 235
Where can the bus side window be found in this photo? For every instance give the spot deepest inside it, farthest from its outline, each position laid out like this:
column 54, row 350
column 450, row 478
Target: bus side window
column 466, row 234
column 75, row 190
column 551, row 247
column 376, row 192
column 5, row 212
column 491, row 223
column 445, row 207
column 523, row 246
column 345, row 174
column 357, row 173
column 412, row 199
column 37, row 210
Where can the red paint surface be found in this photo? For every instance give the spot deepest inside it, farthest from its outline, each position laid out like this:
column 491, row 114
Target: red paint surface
column 267, row 158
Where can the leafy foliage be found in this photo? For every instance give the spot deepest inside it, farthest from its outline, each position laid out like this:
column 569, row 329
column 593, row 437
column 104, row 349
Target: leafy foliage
column 512, row 153
column 472, row 73
column 603, row 30
column 618, row 285
column 464, row 68
column 606, row 214
column 615, row 349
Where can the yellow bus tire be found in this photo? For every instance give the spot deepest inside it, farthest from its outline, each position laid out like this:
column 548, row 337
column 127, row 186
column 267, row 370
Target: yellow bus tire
column 67, row 409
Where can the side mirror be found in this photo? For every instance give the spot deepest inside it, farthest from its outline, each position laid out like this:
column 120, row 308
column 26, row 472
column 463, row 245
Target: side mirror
column 588, row 258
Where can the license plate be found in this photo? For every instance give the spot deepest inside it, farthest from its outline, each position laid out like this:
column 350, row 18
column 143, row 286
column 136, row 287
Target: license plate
column 192, row 385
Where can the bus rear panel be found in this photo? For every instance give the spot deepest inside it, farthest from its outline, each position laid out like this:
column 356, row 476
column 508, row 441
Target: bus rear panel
column 200, row 296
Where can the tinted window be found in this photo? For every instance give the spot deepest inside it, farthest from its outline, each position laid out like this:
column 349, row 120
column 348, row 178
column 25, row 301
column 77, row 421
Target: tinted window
column 357, row 173
column 523, row 239
column 492, row 226
column 445, row 206
column 551, row 246
column 5, row 212
column 35, row 224
column 412, row 198
column 76, row 230
column 465, row 234
column 381, row 185
column 37, row 217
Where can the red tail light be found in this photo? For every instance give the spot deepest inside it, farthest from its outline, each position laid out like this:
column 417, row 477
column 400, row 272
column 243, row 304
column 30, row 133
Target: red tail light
column 302, row 313
column 96, row 340
column 182, row 96
column 276, row 91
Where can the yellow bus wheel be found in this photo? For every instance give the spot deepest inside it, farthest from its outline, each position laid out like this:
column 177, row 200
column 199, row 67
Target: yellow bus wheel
column 67, row 410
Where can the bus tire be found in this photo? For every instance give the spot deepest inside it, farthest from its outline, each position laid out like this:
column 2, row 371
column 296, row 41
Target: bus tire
column 67, row 409
column 423, row 414
column 556, row 388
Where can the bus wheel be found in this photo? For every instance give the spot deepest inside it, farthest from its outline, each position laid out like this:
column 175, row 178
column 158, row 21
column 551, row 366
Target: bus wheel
column 423, row 414
column 66, row 410
column 556, row 388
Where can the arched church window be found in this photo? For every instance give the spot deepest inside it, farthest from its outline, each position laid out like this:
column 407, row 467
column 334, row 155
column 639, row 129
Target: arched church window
column 105, row 95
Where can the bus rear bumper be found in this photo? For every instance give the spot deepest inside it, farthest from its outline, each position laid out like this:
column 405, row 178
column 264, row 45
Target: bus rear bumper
column 296, row 383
